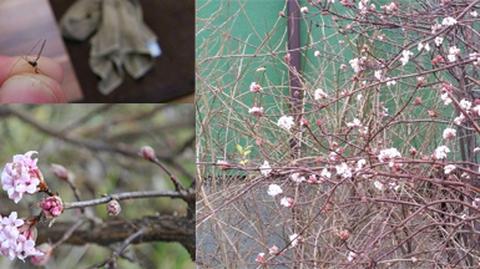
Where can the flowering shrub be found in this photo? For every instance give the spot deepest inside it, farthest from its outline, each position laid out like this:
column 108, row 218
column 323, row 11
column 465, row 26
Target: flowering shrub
column 372, row 140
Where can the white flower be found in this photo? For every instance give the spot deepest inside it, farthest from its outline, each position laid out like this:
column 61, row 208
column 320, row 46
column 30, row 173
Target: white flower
column 422, row 46
column 256, row 111
column 452, row 54
column 476, row 202
column 286, row 122
column 344, row 170
column 459, row 120
column 356, row 63
column 405, row 57
column 295, row 177
column 286, row 201
column 378, row 74
column 390, row 8
column 304, row 10
column 387, row 155
column 355, row 123
column 449, row 21
column 360, row 164
column 265, row 169
column 379, row 185
column 325, row 173
column 449, row 133
column 319, row 94
column 474, row 13
column 274, row 190
column 316, row 53
column 445, row 98
column 351, row 255
column 449, row 168
column 294, row 238
column 359, row 97
column 441, row 152
column 391, row 83
column 465, row 105
column 438, row 41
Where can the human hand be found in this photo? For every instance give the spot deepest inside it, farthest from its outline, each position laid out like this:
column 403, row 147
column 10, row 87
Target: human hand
column 20, row 84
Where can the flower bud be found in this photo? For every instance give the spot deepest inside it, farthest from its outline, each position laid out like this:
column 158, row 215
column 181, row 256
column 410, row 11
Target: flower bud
column 148, row 153
column 113, row 208
column 52, row 206
column 60, row 171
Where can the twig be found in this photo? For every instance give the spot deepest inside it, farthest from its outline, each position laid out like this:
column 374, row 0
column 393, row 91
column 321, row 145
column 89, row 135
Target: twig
column 129, row 195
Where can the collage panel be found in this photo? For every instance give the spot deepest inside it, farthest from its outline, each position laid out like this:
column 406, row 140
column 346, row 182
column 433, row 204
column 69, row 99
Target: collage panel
column 97, row 186
column 338, row 134
column 97, row 51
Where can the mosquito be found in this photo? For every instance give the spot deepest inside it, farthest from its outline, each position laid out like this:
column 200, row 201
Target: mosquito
column 33, row 63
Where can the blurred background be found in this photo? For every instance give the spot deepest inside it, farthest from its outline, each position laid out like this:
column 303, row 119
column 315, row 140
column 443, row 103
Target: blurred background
column 99, row 145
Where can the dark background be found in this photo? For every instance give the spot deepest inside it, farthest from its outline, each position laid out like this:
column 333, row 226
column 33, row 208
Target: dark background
column 172, row 76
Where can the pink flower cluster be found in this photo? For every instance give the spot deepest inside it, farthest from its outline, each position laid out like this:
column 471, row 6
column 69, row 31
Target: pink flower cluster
column 17, row 239
column 52, row 206
column 21, row 176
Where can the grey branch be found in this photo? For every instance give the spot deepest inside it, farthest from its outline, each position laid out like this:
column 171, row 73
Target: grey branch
column 187, row 196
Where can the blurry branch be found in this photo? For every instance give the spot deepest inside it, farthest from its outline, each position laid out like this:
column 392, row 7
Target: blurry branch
column 89, row 144
column 155, row 228
column 185, row 195
column 75, row 124
column 142, row 116
column 92, row 145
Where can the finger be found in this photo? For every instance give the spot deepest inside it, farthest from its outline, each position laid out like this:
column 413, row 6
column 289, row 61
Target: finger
column 10, row 66
column 31, row 89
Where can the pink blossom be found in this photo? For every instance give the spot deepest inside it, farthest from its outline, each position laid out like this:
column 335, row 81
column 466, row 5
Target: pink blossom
column 388, row 155
column 273, row 250
column 17, row 238
column 287, row 202
column 256, row 111
column 449, row 133
column 255, row 87
column 260, row 257
column 21, row 176
column 52, row 206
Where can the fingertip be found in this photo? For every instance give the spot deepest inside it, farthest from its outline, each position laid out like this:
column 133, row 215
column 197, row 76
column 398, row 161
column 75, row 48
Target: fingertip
column 18, row 65
column 31, row 89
